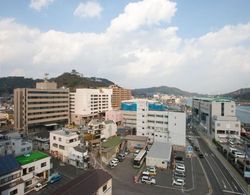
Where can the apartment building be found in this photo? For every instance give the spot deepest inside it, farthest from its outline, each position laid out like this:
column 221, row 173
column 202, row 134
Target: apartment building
column 119, row 94
column 45, row 106
column 35, row 168
column 217, row 117
column 155, row 120
column 14, row 143
column 66, row 145
column 89, row 103
column 10, row 176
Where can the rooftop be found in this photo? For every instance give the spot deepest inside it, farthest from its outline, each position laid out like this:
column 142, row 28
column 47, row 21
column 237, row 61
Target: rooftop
column 8, row 164
column 136, row 138
column 87, row 183
column 64, row 132
column 160, row 150
column 32, row 157
column 211, row 99
column 112, row 142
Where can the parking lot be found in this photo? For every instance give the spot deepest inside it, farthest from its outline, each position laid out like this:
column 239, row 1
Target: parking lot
column 123, row 179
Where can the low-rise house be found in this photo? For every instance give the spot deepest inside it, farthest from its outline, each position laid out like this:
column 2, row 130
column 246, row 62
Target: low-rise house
column 95, row 181
column 10, row 176
column 35, row 168
column 159, row 155
column 110, row 148
column 66, row 145
column 14, row 143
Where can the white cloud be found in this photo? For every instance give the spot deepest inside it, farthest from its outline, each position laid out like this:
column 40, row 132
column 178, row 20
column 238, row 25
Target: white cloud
column 90, row 9
column 143, row 13
column 39, row 4
column 218, row 61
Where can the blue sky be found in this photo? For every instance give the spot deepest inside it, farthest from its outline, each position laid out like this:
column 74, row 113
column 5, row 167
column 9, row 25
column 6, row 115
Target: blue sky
column 133, row 43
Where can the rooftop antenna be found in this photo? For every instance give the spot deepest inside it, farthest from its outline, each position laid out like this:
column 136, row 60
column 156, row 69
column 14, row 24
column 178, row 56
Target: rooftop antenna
column 46, row 77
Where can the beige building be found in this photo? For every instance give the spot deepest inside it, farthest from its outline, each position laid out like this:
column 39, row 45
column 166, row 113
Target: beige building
column 43, row 106
column 86, row 104
column 119, row 94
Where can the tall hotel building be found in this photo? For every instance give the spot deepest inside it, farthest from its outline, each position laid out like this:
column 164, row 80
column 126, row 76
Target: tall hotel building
column 41, row 107
column 118, row 95
column 86, row 104
column 155, row 120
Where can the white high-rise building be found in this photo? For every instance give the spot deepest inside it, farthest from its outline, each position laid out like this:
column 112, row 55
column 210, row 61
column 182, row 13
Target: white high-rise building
column 86, row 103
column 155, row 120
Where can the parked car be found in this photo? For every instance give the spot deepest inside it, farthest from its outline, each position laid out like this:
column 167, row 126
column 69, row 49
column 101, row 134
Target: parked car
column 121, row 157
column 179, row 174
column 54, row 178
column 239, row 155
column 39, row 186
column 113, row 163
column 180, row 169
column 178, row 182
column 152, row 171
column 148, row 180
column 115, row 160
column 145, row 173
column 178, row 158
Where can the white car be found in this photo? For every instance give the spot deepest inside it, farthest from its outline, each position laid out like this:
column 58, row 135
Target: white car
column 148, row 180
column 180, row 169
column 239, row 155
column 178, row 182
column 113, row 163
column 39, row 186
column 115, row 160
column 180, row 165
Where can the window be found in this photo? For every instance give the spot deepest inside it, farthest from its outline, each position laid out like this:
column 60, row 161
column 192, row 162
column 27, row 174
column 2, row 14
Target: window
column 29, row 148
column 25, row 171
column 218, row 124
column 236, row 125
column 13, row 192
column 43, row 164
column 31, row 169
column 60, row 139
column 54, row 137
column 104, row 188
column 61, row 147
column 28, row 183
column 55, row 145
column 23, row 149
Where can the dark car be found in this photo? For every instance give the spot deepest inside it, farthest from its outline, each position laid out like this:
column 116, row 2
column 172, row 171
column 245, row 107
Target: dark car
column 201, row 155
column 121, row 157
column 178, row 158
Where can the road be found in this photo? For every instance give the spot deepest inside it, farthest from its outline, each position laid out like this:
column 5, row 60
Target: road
column 220, row 179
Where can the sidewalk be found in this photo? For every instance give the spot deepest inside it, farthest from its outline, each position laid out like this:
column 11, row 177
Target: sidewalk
column 228, row 166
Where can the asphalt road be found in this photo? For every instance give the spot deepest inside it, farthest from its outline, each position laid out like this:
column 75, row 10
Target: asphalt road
column 220, row 179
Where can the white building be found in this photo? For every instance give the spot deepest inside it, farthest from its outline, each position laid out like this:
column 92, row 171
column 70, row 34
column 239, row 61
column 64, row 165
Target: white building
column 66, row 146
column 159, row 155
column 217, row 117
column 35, row 168
column 13, row 143
column 102, row 129
column 10, row 176
column 86, row 103
column 155, row 120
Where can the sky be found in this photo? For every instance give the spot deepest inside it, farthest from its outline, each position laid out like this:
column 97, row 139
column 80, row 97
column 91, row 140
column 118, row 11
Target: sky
column 197, row 46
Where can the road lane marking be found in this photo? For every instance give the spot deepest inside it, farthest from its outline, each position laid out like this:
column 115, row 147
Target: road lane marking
column 235, row 187
column 224, row 184
column 232, row 192
column 222, row 173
